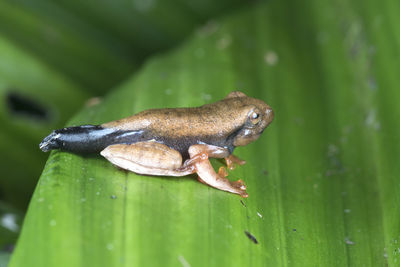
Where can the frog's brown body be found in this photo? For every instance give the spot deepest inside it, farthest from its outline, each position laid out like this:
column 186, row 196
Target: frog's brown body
column 215, row 129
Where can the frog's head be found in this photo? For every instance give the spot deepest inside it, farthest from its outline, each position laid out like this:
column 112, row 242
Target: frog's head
column 257, row 115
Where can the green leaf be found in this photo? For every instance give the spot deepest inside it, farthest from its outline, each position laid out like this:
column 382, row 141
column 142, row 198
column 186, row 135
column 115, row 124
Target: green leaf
column 99, row 43
column 34, row 100
column 323, row 178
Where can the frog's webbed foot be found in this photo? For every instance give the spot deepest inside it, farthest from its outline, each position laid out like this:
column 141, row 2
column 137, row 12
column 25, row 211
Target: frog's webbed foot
column 232, row 161
column 237, row 187
column 199, row 159
column 239, row 184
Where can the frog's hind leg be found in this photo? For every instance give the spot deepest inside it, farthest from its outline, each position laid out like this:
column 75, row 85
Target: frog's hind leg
column 153, row 158
column 199, row 158
column 149, row 158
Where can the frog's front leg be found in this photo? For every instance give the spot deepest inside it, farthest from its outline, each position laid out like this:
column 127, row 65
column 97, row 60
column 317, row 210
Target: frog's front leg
column 232, row 161
column 220, row 152
column 149, row 158
column 199, row 155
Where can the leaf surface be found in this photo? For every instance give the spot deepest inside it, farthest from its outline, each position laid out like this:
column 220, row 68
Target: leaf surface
column 322, row 179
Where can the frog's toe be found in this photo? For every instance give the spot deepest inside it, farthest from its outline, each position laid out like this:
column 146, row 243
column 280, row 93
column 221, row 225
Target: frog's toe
column 239, row 184
column 222, row 172
column 232, row 161
column 240, row 188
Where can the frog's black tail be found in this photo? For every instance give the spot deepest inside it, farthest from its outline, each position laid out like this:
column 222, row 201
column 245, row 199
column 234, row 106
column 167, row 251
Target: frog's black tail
column 87, row 138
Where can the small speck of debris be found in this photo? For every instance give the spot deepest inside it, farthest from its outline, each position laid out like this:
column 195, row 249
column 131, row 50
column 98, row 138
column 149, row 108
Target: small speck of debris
column 208, row 29
column 372, row 121
column 113, row 196
column 333, row 150
column 329, row 173
column 259, row 215
column 110, row 246
column 347, row 210
column 183, row 261
column 168, row 91
column 93, row 101
column 372, row 83
column 241, row 201
column 265, row 172
column 348, row 241
column 294, row 230
column 206, row 97
column 251, row 237
column 224, row 42
column 299, row 121
column 271, row 58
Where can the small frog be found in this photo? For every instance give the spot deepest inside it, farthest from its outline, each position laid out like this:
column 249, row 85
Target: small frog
column 174, row 141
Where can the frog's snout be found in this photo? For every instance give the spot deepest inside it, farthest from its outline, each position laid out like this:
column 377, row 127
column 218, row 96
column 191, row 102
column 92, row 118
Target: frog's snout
column 269, row 115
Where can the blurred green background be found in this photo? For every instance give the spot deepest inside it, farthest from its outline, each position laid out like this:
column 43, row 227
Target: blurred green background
column 323, row 180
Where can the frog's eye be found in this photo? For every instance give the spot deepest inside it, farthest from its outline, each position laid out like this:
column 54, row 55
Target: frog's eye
column 255, row 116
